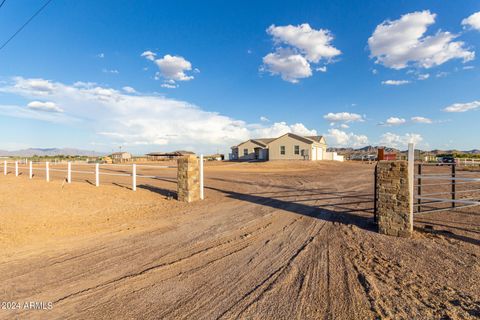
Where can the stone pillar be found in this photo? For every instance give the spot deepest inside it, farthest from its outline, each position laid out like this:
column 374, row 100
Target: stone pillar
column 395, row 214
column 188, row 179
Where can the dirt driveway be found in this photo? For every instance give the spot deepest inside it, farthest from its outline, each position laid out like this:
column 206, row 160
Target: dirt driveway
column 281, row 240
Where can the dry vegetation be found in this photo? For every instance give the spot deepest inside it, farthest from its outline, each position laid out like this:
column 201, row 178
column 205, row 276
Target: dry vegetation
column 276, row 240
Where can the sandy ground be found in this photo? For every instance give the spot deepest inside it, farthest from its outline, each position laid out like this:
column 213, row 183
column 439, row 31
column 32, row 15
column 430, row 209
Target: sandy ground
column 281, row 240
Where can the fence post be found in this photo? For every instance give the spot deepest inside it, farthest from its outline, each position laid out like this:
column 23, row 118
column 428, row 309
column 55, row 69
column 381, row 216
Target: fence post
column 134, row 177
column 5, row 167
column 30, row 170
column 202, row 196
column 47, row 171
column 69, row 172
column 97, row 174
column 411, row 175
column 453, row 185
column 419, row 187
column 375, row 195
column 16, row 168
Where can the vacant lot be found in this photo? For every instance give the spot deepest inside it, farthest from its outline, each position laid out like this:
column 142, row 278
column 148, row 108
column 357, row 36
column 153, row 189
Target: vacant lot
column 277, row 240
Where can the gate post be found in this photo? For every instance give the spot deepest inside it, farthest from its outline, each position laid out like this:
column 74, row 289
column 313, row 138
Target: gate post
column 395, row 203
column 188, row 179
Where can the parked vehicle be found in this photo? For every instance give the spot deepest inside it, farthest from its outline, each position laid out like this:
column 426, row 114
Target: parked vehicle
column 446, row 159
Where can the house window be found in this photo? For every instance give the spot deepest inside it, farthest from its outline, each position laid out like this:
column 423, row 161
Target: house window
column 282, row 150
column 297, row 150
column 245, row 152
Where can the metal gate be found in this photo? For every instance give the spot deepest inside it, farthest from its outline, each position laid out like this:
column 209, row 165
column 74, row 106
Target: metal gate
column 444, row 187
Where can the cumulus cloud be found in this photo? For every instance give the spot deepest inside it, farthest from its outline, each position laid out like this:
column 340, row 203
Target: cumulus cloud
column 393, row 121
column 44, row 106
column 264, row 119
column 171, row 69
column 340, row 138
column 139, row 119
column 395, row 82
column 463, row 107
column 472, row 21
column 393, row 140
column 343, row 117
column 297, row 47
column 289, row 65
column 421, row 120
column 400, row 43
column 128, row 89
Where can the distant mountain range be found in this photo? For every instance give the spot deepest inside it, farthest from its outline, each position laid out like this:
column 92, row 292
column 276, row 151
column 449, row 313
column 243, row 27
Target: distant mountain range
column 373, row 150
column 49, row 152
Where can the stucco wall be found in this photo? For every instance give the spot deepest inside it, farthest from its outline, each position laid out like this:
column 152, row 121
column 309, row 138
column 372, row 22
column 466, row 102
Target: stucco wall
column 289, row 143
column 251, row 150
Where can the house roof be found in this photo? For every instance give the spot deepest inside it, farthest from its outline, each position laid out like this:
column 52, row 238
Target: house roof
column 265, row 141
column 119, row 153
column 315, row 138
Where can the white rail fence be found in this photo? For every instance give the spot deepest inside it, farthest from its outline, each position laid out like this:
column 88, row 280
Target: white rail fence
column 467, row 161
column 74, row 168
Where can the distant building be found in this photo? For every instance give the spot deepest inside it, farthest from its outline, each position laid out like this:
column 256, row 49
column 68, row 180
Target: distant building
column 215, row 157
column 286, row 147
column 118, row 157
column 160, row 156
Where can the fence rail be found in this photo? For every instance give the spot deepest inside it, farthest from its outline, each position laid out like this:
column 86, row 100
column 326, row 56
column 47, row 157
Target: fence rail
column 96, row 170
column 462, row 189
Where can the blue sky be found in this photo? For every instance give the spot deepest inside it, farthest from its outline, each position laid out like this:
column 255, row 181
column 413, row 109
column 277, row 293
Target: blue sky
column 215, row 73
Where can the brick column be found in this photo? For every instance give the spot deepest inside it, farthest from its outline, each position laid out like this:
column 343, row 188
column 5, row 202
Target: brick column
column 188, row 179
column 395, row 214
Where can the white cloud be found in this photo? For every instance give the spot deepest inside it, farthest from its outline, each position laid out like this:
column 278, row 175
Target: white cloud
column 171, row 69
column 278, row 129
column 395, row 82
column 340, row 138
column 174, row 67
column 286, row 63
column 296, row 48
column 468, row 67
column 149, row 55
column 113, row 71
column 128, row 89
column 472, row 21
column 139, row 119
column 264, row 119
column 442, row 74
column 101, row 55
column 399, row 43
column 314, row 44
column 44, row 106
column 343, row 117
column 168, row 85
column 394, row 121
column 393, row 140
column 344, row 126
column 423, row 76
column 421, row 120
column 463, row 107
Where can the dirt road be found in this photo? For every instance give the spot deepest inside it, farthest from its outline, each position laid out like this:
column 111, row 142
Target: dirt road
column 271, row 241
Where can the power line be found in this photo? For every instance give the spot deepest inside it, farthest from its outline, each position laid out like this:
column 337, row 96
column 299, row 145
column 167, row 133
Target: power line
column 25, row 24
column 1, row 4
